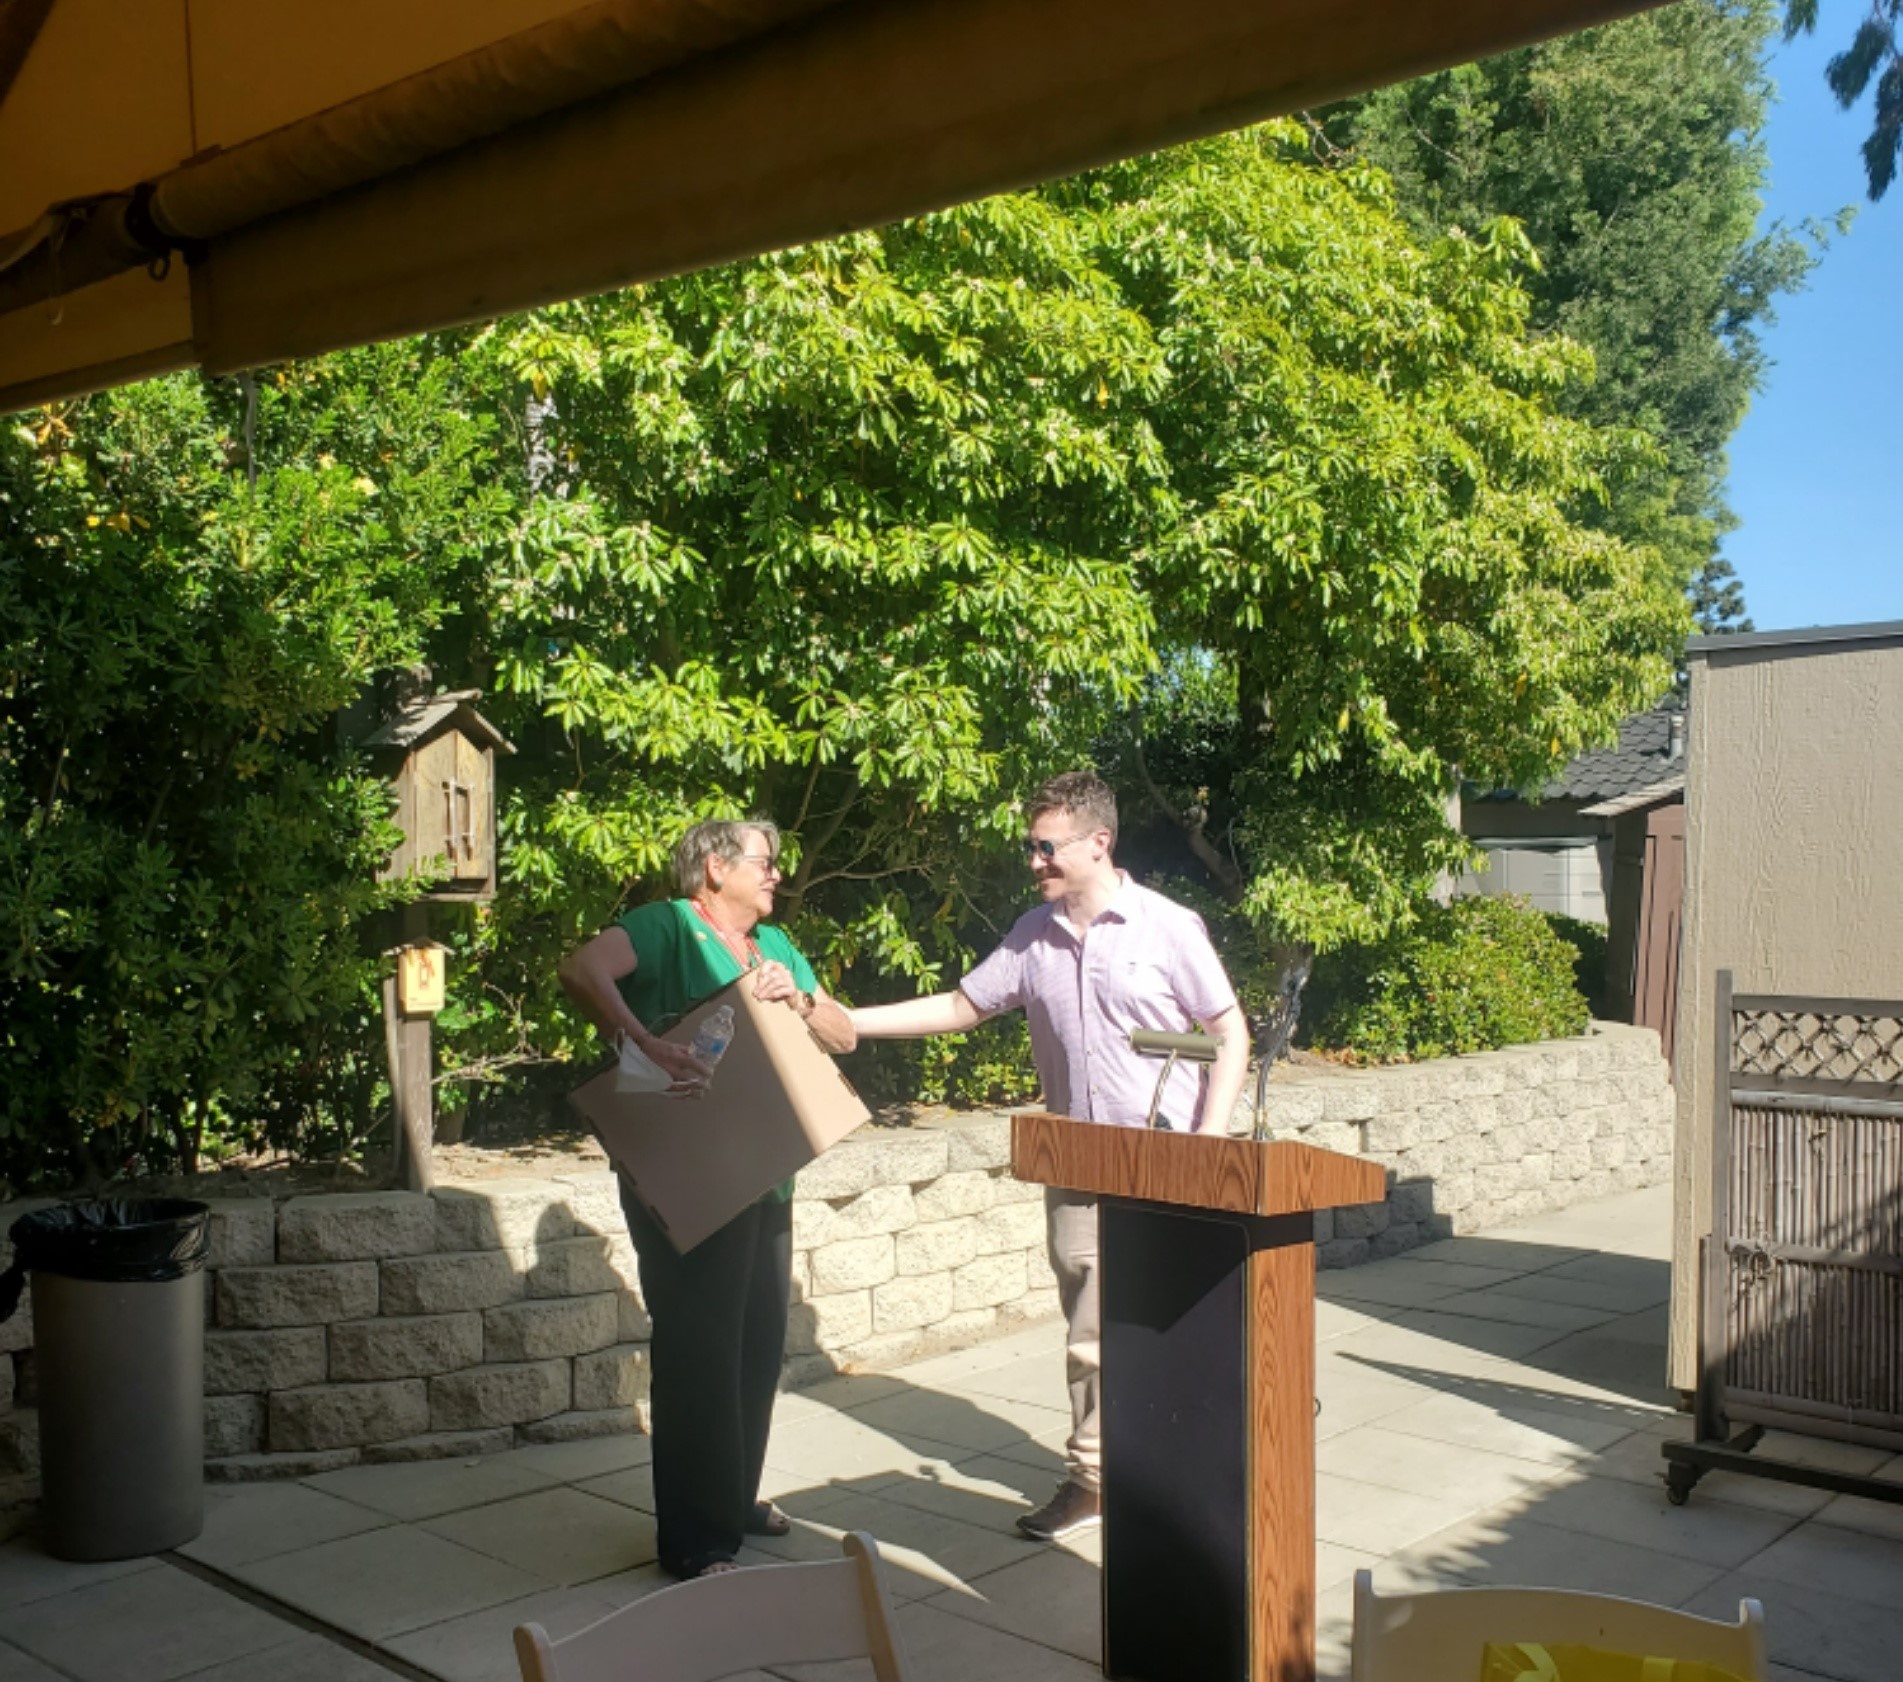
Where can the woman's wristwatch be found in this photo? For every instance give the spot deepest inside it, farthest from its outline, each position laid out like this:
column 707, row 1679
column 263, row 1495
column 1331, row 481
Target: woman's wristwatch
column 805, row 1004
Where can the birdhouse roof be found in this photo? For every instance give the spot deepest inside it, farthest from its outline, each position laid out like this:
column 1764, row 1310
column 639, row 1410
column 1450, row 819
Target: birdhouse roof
column 424, row 718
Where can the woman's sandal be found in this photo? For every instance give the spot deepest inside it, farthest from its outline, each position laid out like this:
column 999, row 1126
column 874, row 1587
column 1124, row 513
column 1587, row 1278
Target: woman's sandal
column 706, row 1565
column 767, row 1520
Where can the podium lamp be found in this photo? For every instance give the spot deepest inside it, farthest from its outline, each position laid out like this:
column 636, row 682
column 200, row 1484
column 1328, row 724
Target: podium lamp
column 1207, row 1262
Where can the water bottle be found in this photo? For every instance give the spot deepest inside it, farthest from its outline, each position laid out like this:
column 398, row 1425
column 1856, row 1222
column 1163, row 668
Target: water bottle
column 713, row 1036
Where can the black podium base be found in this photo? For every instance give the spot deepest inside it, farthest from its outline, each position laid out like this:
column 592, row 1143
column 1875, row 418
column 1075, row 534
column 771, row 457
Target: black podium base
column 1180, row 1463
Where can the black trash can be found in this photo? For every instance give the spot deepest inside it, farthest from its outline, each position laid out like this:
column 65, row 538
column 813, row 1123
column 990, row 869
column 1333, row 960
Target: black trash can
column 119, row 1346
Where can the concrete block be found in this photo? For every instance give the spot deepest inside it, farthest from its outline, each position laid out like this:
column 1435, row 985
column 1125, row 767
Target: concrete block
column 234, row 1425
column 450, row 1283
column 1410, row 1201
column 594, row 1203
column 1293, row 1104
column 539, row 1331
column 575, row 1427
column 503, row 1214
column 356, row 1226
column 1039, row 1275
column 1348, row 1137
column 1391, row 1242
column 939, row 1246
column 243, row 1232
column 1007, row 1188
column 853, row 1264
column 256, row 1362
column 347, row 1415
column 824, row 1323
column 903, row 1305
column 414, row 1346
column 1391, row 1133
column 1324, row 1225
column 582, row 1266
column 439, row 1445
column 1496, row 1180
column 498, row 1395
column 882, row 1210
column 1508, row 1144
column 1610, row 1152
column 969, row 1192
column 617, row 1377
column 632, row 1324
column 1012, row 1226
column 260, row 1298
column 260, row 1468
column 1351, row 1098
column 876, row 1157
column 978, row 1145
column 988, row 1281
column 1362, row 1220
column 1454, row 1191
column 1574, row 1162
column 1342, row 1252
column 1041, row 1304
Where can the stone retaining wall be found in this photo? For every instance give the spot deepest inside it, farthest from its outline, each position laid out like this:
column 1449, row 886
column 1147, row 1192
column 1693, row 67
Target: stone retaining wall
column 395, row 1326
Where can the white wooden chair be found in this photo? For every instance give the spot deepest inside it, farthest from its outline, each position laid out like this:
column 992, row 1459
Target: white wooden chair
column 734, row 1621
column 1439, row 1636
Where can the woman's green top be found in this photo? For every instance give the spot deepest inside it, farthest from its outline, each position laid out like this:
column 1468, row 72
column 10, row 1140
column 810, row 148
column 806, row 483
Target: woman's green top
column 679, row 961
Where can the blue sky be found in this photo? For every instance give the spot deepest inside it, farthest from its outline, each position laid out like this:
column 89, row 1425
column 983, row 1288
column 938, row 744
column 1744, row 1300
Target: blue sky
column 1821, row 542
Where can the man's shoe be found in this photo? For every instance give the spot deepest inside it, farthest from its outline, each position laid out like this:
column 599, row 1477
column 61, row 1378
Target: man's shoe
column 1071, row 1509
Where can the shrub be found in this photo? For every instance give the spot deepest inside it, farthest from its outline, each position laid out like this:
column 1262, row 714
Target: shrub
column 1471, row 976
column 1588, row 941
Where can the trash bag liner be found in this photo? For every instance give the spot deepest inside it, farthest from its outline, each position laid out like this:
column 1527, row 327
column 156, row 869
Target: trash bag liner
column 143, row 1240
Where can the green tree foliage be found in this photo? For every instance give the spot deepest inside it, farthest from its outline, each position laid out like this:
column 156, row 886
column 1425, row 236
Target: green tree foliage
column 1632, row 155
column 1874, row 55
column 1469, row 976
column 1205, row 462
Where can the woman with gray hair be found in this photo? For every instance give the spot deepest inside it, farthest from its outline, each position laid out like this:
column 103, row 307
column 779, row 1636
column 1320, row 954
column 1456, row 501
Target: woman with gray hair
column 719, row 1311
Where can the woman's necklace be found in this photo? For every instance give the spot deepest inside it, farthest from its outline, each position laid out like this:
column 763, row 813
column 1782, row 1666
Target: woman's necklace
column 745, row 952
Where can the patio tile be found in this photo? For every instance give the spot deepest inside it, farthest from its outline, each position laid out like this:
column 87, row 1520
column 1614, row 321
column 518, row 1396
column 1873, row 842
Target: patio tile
column 1405, row 1281
column 925, row 1552
column 1052, row 1597
column 1336, row 1564
column 1042, row 1457
column 306, row 1658
column 591, row 1457
column 1445, row 1342
column 147, row 1626
column 984, row 1423
column 1844, row 1562
column 943, row 1647
column 842, row 1448
column 16, row 1666
column 1712, row 1532
column 1628, row 1297
column 427, row 1488
column 1857, row 1512
column 1505, row 1548
column 986, row 1490
column 1527, row 1433
column 1376, row 1520
column 1606, row 1267
column 1814, row 1632
column 481, row 1646
column 1557, row 1317
column 388, row 1582
column 836, row 1395
column 254, row 1521
column 1639, row 1459
column 1439, row 1470
column 562, row 1536
column 1608, row 1362
column 1035, row 1378
column 28, row 1572
column 1335, row 1319
column 1497, row 1254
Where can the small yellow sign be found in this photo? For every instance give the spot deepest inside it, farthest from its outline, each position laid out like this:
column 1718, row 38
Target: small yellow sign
column 420, row 975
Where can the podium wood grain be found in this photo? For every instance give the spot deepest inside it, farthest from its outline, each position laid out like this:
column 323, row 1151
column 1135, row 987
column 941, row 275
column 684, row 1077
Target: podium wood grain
column 1176, row 1183
column 1197, row 1170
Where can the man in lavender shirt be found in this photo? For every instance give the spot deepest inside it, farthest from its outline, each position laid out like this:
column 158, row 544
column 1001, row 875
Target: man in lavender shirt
column 1099, row 957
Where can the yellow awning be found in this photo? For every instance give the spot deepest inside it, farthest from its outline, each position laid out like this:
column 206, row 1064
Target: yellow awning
column 221, row 183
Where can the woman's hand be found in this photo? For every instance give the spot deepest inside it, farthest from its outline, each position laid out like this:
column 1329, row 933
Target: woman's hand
column 773, row 980
column 688, row 1073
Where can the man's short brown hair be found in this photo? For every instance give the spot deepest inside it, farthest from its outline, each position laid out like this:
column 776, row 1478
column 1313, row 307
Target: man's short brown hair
column 1080, row 795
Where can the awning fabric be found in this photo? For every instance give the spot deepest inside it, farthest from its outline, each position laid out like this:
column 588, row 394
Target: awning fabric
column 266, row 182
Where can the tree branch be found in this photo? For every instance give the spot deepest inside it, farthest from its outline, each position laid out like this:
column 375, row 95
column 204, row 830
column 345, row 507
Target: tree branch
column 1194, row 824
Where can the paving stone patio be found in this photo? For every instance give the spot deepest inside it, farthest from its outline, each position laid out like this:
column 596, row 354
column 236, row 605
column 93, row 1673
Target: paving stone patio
column 1491, row 1413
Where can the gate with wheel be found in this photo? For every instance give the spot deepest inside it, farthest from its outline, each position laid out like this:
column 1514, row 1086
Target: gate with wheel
column 1801, row 1277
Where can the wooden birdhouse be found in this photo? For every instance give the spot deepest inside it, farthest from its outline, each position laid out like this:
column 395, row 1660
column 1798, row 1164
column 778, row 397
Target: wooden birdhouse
column 440, row 756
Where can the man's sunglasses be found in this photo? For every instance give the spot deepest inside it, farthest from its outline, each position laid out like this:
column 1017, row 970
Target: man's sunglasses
column 1048, row 850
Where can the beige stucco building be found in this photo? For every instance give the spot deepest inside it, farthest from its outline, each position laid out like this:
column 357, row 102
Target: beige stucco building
column 1794, row 862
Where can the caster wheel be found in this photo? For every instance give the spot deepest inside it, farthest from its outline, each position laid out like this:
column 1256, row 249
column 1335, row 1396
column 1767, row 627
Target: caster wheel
column 1676, row 1495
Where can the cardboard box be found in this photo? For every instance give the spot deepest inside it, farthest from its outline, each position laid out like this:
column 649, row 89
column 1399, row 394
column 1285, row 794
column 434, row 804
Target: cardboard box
column 776, row 1101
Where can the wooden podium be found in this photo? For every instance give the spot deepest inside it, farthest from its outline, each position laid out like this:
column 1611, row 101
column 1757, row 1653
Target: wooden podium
column 1207, row 1260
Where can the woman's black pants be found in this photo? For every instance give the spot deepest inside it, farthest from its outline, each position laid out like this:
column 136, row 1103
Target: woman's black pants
column 719, row 1316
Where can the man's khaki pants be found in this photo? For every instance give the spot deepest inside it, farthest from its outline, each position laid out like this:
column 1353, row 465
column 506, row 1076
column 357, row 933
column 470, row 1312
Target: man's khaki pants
column 1072, row 1220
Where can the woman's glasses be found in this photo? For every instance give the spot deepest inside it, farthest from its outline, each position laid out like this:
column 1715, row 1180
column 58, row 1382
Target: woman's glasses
column 763, row 862
column 1048, row 850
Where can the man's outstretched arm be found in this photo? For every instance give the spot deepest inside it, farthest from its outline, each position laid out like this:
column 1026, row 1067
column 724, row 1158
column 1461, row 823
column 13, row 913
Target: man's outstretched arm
column 939, row 1013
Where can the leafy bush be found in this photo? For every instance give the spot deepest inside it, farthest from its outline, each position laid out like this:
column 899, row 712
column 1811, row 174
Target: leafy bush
column 1471, row 976
column 1588, row 941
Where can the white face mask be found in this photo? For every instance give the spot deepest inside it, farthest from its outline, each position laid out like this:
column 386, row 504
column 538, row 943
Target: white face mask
column 638, row 1072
